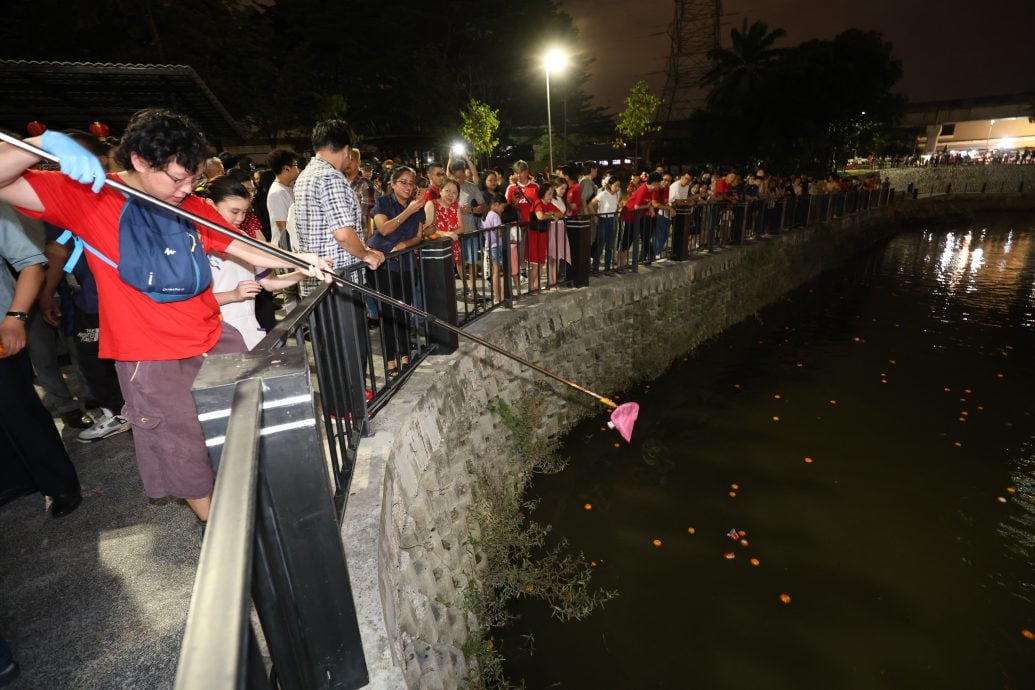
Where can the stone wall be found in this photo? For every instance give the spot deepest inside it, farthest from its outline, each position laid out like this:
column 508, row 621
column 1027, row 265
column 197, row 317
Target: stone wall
column 407, row 524
column 967, row 179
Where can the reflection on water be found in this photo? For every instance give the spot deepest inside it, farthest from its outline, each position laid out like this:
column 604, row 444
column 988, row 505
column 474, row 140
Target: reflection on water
column 877, row 428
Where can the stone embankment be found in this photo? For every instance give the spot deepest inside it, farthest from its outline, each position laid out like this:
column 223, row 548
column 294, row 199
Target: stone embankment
column 963, row 179
column 407, row 524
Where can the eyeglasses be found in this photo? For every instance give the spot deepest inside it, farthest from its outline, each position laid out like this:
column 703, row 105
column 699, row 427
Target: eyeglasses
column 404, row 183
column 193, row 179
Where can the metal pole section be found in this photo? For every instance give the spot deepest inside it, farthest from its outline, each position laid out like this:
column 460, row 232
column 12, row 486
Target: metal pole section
column 549, row 119
column 214, row 657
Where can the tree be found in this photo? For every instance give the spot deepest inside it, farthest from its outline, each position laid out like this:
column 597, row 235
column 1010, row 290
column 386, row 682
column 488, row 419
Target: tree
column 738, row 70
column 480, row 124
column 638, row 117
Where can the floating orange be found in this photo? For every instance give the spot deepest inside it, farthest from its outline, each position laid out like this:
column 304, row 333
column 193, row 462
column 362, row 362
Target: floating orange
column 964, row 413
column 785, row 598
column 742, row 533
column 967, row 391
column 733, row 494
column 1001, row 499
column 883, row 380
column 963, row 400
column 833, row 402
column 691, row 530
column 777, row 396
column 593, row 564
column 618, row 445
column 808, row 461
column 957, row 444
column 529, row 588
column 656, row 542
column 891, row 361
column 735, row 487
column 999, row 376
column 1027, row 634
column 755, row 562
column 981, row 407
column 775, row 418
column 736, row 385
column 1011, row 490
column 588, row 506
column 729, row 556
column 603, row 428
column 799, row 365
column 947, row 389
column 743, row 542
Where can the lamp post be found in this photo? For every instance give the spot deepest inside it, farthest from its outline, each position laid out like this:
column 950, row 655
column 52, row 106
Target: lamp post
column 555, row 60
column 988, row 138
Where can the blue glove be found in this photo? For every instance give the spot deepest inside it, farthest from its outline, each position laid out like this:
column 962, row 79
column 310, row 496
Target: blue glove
column 76, row 162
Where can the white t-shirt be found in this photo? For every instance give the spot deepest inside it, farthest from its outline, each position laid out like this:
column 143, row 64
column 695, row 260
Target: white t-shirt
column 278, row 203
column 227, row 272
column 606, row 201
column 677, row 191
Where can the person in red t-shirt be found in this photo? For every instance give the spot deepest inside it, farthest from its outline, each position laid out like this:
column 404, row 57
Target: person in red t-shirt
column 522, row 194
column 541, row 232
column 636, row 215
column 158, row 347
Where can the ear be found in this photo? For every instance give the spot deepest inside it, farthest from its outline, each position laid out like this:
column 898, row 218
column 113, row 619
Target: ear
column 210, row 202
column 139, row 164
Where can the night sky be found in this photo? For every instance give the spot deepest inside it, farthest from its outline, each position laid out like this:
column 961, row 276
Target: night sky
column 949, row 49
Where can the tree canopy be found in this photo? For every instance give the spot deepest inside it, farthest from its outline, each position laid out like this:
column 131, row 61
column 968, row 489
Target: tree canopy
column 390, row 68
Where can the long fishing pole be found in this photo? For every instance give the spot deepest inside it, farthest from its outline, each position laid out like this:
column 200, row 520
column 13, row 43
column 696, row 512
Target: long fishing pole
column 301, row 263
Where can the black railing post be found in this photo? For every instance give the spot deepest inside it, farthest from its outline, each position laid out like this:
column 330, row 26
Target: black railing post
column 578, row 229
column 436, row 259
column 681, row 234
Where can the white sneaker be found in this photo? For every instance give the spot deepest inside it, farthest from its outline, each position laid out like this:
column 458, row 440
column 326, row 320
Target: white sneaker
column 109, row 424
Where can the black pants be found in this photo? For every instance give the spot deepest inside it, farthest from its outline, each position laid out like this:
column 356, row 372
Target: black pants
column 32, row 455
column 99, row 373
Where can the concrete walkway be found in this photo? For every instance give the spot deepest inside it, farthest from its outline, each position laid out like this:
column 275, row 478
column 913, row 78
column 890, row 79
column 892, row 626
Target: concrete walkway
column 97, row 599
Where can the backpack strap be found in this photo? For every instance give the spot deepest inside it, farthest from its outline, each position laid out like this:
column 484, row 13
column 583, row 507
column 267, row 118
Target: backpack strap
column 78, row 244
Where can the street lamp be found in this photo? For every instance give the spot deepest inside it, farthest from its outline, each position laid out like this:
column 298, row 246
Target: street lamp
column 555, row 60
column 988, row 138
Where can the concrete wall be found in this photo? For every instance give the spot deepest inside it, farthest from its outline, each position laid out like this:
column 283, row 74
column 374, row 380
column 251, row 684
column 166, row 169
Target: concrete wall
column 407, row 519
column 963, row 178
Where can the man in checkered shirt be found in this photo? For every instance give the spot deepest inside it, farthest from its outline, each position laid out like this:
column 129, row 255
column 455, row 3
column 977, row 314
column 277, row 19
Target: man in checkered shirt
column 326, row 216
column 326, row 212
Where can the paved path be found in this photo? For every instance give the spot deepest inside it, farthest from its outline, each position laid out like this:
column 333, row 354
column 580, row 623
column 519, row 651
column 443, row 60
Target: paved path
column 97, row 599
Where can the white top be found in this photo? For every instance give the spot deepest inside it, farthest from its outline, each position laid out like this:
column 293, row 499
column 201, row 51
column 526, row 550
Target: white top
column 227, row 272
column 278, row 203
column 606, row 201
column 677, row 191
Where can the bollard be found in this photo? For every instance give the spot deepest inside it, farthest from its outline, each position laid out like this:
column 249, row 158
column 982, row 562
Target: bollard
column 681, row 234
column 578, row 230
column 436, row 261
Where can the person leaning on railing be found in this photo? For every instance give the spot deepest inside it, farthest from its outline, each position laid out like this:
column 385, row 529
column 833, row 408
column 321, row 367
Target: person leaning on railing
column 399, row 224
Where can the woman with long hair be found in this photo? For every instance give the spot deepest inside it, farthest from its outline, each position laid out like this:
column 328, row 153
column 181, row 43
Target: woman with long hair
column 545, row 213
column 235, row 284
column 399, row 222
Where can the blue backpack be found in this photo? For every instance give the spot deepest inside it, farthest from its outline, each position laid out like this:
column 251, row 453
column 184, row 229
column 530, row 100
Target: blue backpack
column 160, row 253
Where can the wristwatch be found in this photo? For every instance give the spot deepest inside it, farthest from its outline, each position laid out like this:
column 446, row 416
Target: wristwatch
column 19, row 315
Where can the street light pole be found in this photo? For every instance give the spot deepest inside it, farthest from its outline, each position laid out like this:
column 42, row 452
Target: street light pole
column 549, row 119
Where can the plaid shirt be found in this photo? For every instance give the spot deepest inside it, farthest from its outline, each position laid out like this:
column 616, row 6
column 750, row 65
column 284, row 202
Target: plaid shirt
column 324, row 202
column 365, row 194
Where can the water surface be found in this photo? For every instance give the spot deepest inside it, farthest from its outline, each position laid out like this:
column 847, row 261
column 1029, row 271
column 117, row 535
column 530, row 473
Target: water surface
column 906, row 544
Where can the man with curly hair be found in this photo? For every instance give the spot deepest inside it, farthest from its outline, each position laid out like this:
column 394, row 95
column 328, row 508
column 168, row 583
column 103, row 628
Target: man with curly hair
column 158, row 346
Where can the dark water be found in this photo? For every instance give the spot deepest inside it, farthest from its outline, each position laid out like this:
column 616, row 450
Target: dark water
column 907, row 546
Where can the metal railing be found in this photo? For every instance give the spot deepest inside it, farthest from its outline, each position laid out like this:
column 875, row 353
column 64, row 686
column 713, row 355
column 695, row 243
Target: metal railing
column 967, row 187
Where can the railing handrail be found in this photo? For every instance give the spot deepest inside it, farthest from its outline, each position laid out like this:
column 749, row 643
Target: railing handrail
column 211, row 657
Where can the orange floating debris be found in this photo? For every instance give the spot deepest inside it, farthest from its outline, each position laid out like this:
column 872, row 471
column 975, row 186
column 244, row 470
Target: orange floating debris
column 964, row 413
column 588, row 506
column 743, row 542
column 729, row 556
column 785, row 598
column 603, row 428
column 947, row 389
column 1001, row 499
column 981, row 407
column 735, row 487
column 957, row 444
column 755, row 562
column 691, row 530
column 656, row 542
column 833, row 402
column 777, row 396
column 967, row 391
column 1027, row 634
column 999, row 376
column 799, row 365
column 736, row 385
column 963, row 419
column 963, row 400
column 618, row 445
column 742, row 533
column 891, row 361
column 883, row 380
column 775, row 418
column 1011, row 490
column 733, row 494
column 808, row 461
column 856, row 339
column 646, row 386
column 529, row 588
column 593, row 564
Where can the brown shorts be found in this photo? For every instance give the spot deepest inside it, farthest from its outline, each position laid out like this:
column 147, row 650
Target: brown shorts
column 170, row 446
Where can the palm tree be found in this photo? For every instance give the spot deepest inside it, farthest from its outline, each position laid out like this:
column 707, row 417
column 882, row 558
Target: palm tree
column 737, row 70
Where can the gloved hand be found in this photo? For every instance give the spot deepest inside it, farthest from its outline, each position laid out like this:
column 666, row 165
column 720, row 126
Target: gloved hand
column 75, row 161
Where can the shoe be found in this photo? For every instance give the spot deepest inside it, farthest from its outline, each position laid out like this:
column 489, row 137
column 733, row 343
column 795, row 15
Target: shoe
column 8, row 673
column 64, row 504
column 107, row 425
column 76, row 419
column 14, row 494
